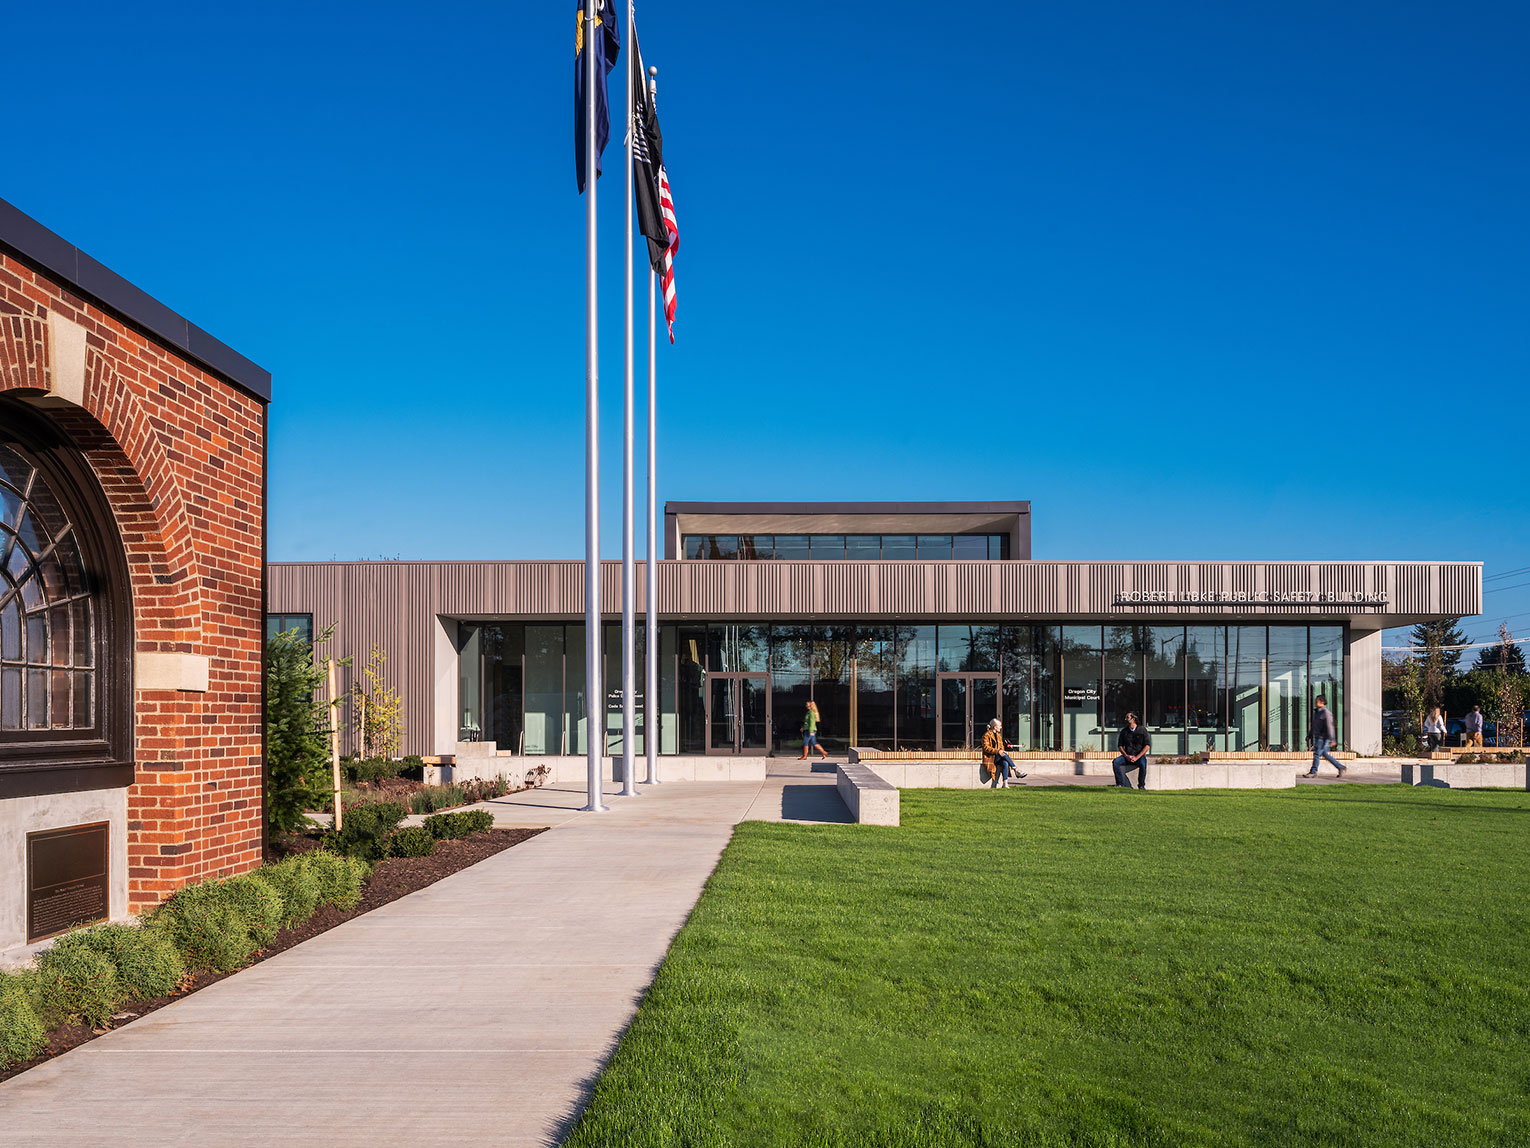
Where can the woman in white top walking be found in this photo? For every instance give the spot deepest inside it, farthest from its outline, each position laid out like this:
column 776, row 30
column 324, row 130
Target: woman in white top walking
column 1434, row 728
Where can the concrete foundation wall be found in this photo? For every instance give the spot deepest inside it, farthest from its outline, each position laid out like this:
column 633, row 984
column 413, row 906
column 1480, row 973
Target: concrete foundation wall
column 22, row 815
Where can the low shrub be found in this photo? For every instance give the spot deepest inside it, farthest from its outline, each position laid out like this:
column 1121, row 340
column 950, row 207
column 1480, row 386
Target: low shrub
column 365, row 830
column 339, row 878
column 73, row 982
column 413, row 842
column 297, row 884
column 218, row 925
column 378, row 768
column 450, row 826
column 21, row 1032
column 147, row 962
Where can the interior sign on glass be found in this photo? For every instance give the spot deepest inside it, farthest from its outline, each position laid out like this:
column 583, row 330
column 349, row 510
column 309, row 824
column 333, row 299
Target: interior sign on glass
column 1248, row 598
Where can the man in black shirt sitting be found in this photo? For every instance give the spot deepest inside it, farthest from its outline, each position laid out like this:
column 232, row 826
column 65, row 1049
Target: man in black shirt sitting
column 1133, row 746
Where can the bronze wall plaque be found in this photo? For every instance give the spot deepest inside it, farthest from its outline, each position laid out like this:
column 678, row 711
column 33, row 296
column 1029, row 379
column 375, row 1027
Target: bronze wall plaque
column 68, row 879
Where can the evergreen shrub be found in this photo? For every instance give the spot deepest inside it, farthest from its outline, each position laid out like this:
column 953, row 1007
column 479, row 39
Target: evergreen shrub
column 74, row 983
column 339, row 878
column 413, row 842
column 21, row 1032
column 451, row 826
column 297, row 883
column 147, row 962
column 218, row 925
column 365, row 830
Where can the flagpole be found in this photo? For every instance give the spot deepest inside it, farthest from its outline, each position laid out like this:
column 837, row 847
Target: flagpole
column 651, row 689
column 594, row 693
column 629, row 575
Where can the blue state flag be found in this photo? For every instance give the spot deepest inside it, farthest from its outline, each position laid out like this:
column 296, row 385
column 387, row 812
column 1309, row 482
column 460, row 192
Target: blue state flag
column 607, row 45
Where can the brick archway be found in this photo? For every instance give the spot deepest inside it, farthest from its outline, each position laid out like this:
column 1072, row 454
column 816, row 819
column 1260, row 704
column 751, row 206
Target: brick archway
column 168, row 809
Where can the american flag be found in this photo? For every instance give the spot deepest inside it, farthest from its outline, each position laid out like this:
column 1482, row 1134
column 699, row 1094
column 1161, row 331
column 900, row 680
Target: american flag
column 667, row 275
column 655, row 205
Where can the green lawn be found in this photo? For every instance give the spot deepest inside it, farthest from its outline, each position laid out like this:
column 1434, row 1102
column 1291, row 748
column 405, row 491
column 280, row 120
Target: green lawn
column 1338, row 965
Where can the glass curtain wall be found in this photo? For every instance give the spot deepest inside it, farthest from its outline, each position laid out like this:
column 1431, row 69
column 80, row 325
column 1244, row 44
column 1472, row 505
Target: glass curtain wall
column 1246, row 654
column 1079, row 656
column 1287, row 688
column 1205, row 696
column 1017, row 707
column 1326, row 652
column 470, row 682
column 691, row 686
column 872, row 694
column 1057, row 688
column 832, row 648
column 1164, row 687
column 916, row 687
column 791, row 685
column 1122, row 693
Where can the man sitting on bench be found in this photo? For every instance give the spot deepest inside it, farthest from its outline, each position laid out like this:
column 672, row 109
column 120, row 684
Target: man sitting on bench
column 1133, row 745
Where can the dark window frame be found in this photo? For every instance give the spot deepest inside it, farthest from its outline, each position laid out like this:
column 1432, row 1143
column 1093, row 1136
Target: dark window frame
column 283, row 627
column 38, row 762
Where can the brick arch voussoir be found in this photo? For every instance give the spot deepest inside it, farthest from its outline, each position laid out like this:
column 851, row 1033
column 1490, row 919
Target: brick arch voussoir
column 122, row 446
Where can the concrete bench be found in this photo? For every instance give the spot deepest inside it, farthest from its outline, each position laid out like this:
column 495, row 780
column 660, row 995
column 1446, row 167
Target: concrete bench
column 870, row 800
column 1512, row 774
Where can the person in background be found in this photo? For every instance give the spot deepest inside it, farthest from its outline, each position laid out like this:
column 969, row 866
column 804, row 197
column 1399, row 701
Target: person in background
column 1133, row 744
column 810, row 732
column 1472, row 726
column 999, row 766
column 1434, row 729
column 1323, row 735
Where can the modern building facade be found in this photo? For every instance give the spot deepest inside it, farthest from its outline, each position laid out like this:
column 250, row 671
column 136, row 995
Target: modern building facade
column 132, row 557
column 910, row 625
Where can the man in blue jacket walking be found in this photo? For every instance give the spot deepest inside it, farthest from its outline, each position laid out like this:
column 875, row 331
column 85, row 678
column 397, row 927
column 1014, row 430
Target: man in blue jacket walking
column 1323, row 735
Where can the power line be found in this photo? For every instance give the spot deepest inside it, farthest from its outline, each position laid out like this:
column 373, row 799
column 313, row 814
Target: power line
column 1506, row 574
column 1468, row 646
column 1495, row 589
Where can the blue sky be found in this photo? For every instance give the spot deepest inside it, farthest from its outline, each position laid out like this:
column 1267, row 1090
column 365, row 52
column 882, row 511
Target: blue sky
column 1239, row 281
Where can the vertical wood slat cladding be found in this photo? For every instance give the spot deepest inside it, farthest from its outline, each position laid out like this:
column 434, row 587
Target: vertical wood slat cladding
column 555, row 589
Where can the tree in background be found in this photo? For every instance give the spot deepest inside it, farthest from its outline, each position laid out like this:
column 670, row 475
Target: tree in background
column 1410, row 684
column 1438, row 668
column 1428, row 636
column 297, row 731
column 1511, row 658
column 379, row 710
column 1506, row 699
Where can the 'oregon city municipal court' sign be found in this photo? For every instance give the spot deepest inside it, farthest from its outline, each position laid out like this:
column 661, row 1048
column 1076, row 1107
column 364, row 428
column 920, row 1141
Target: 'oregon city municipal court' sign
column 1248, row 598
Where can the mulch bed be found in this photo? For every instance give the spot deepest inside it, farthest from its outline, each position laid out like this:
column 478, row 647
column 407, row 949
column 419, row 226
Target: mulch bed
column 391, row 879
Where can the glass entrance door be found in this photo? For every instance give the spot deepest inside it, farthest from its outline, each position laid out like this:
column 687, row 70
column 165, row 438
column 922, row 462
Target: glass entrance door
column 967, row 703
column 738, row 713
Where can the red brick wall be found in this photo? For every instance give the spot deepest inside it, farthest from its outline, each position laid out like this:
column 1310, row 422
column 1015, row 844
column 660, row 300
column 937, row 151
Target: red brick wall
column 181, row 457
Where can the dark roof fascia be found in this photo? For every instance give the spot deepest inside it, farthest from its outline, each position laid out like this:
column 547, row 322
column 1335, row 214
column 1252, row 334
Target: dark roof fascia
column 76, row 272
column 847, row 507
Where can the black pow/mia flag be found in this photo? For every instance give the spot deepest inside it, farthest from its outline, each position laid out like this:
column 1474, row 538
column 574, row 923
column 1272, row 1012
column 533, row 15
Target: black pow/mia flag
column 647, row 162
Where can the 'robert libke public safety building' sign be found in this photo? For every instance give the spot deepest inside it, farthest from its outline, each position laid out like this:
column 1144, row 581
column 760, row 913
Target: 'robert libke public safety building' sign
column 1247, row 598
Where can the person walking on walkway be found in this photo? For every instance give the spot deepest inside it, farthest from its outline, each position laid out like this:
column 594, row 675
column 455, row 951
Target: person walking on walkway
column 1471, row 724
column 1133, row 744
column 1323, row 735
column 1434, row 729
column 999, row 766
column 810, row 732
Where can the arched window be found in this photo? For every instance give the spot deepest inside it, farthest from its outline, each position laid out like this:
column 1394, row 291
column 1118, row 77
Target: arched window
column 65, row 660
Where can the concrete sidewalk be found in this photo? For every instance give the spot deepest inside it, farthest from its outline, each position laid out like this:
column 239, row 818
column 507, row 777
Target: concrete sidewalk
column 479, row 1010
